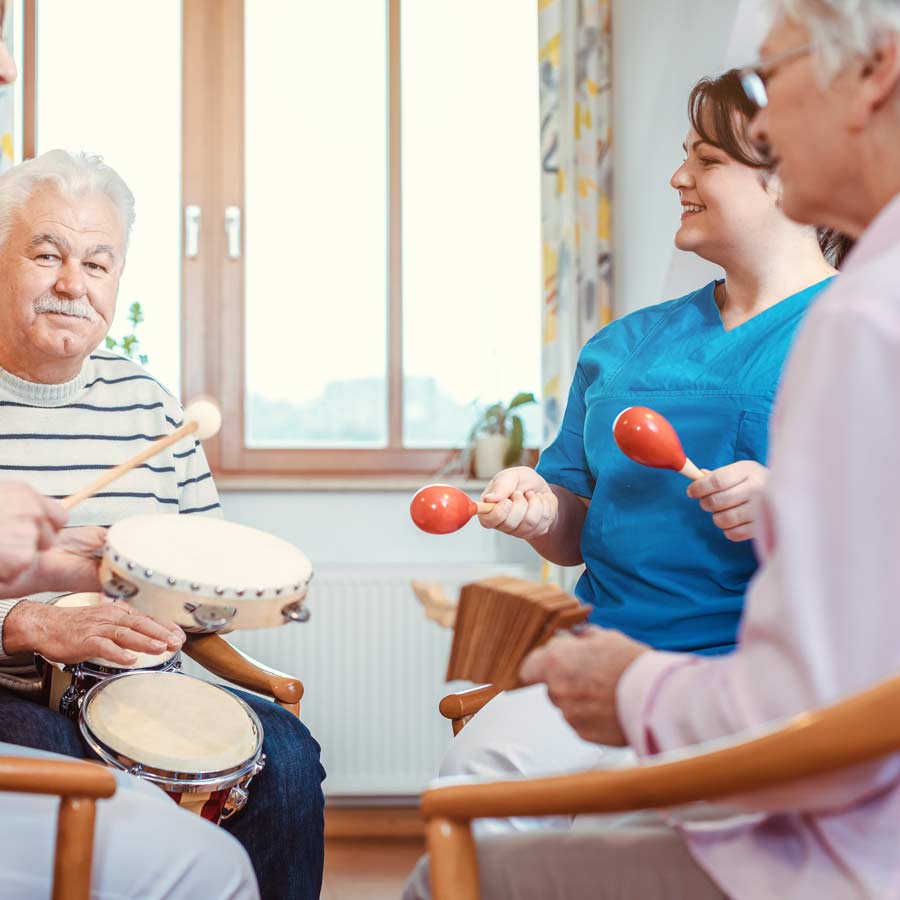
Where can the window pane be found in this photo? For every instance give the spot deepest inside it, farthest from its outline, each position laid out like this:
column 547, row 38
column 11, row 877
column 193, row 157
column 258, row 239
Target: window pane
column 109, row 77
column 471, row 208
column 316, row 195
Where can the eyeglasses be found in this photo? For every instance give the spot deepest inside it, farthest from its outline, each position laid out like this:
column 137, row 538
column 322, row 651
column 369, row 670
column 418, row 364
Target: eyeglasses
column 754, row 78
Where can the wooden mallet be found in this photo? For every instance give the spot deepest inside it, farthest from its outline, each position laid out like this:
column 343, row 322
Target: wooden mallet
column 202, row 418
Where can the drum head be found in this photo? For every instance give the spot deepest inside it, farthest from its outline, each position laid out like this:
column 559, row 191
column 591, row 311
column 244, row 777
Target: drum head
column 143, row 661
column 172, row 722
column 207, row 556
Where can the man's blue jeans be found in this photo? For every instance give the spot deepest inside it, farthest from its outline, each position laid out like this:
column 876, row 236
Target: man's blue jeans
column 282, row 825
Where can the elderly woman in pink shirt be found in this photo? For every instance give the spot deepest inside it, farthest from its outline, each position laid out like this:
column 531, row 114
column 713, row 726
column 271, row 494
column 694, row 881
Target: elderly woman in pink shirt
column 822, row 616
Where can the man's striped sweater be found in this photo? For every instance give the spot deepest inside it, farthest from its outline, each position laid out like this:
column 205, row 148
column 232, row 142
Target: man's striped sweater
column 60, row 437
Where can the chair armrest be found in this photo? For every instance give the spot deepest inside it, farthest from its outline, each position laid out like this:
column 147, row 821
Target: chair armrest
column 79, row 785
column 63, row 778
column 856, row 730
column 460, row 707
column 226, row 661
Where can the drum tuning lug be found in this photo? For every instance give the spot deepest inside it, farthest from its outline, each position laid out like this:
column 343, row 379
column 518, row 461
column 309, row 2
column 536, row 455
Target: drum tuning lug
column 219, row 591
column 194, row 586
column 259, row 592
column 171, row 581
column 236, row 801
column 129, row 566
column 68, row 703
column 240, row 593
column 148, row 573
column 295, row 612
column 136, row 769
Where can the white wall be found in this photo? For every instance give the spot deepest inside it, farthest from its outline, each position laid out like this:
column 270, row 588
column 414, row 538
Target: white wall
column 366, row 528
column 659, row 50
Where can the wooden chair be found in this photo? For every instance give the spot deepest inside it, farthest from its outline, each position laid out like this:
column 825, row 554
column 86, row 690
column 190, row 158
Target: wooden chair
column 460, row 707
column 79, row 785
column 857, row 730
column 222, row 659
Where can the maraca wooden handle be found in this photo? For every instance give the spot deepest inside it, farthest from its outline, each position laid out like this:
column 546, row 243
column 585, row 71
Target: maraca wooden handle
column 689, row 470
column 112, row 474
column 484, row 507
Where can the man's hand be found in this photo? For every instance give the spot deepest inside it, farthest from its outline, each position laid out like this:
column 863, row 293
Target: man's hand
column 72, row 564
column 582, row 674
column 74, row 634
column 28, row 524
column 729, row 494
column 526, row 506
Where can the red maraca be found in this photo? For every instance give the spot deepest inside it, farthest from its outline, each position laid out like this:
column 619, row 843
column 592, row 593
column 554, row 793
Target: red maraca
column 442, row 508
column 649, row 439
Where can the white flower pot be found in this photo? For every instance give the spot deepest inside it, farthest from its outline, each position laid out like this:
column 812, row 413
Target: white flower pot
column 490, row 449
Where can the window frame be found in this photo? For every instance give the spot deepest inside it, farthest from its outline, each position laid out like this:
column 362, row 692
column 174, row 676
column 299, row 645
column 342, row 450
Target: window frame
column 212, row 317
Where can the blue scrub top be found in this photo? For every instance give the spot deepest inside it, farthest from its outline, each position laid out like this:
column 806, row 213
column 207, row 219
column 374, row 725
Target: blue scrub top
column 657, row 568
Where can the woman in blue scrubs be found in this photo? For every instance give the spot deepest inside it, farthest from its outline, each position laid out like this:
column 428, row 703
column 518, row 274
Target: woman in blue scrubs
column 666, row 566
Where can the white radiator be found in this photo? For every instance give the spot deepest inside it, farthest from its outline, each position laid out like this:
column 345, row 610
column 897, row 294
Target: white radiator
column 373, row 668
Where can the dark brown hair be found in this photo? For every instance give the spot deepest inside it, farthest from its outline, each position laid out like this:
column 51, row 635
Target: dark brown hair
column 720, row 112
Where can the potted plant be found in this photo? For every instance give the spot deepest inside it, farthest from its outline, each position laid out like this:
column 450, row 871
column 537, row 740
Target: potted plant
column 130, row 343
column 497, row 438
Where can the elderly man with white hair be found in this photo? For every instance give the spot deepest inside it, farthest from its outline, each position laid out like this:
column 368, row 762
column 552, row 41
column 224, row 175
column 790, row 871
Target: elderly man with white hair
column 68, row 411
column 822, row 617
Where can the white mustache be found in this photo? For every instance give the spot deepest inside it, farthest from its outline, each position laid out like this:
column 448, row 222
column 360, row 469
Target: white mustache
column 79, row 308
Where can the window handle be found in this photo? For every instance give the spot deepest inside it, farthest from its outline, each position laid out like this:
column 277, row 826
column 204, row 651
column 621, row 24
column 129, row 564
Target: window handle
column 191, row 231
column 233, row 231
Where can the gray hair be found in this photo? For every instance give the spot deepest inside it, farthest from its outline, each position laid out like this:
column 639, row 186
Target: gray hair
column 842, row 29
column 74, row 175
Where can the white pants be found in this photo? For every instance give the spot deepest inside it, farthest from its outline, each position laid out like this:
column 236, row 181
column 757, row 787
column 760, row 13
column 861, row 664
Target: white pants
column 636, row 857
column 144, row 847
column 521, row 733
column 614, row 857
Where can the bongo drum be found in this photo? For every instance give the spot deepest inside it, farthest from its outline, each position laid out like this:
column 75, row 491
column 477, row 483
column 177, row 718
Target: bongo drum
column 207, row 575
column 65, row 685
column 195, row 740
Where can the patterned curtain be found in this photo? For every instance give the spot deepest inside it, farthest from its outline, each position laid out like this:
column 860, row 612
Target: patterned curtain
column 7, row 102
column 575, row 83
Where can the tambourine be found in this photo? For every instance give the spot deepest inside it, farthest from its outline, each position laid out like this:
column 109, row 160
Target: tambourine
column 205, row 574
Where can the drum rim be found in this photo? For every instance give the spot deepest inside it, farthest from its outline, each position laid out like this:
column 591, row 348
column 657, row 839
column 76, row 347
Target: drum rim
column 133, row 570
column 95, row 670
column 183, row 782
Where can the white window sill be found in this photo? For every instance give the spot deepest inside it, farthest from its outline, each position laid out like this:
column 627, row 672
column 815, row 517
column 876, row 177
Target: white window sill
column 287, row 483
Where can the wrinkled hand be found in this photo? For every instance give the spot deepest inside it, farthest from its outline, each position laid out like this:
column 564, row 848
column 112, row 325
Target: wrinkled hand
column 730, row 495
column 72, row 564
column 28, row 524
column 582, row 674
column 74, row 634
column 526, row 506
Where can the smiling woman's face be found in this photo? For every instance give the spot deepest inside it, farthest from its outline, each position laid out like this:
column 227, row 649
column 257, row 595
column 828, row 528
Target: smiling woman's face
column 725, row 204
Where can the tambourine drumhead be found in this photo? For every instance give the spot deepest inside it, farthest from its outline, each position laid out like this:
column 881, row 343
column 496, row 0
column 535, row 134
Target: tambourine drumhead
column 200, row 554
column 143, row 661
column 171, row 722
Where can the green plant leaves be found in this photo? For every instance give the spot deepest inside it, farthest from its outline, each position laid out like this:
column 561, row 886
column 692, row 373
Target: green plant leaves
column 521, row 399
column 129, row 344
column 516, row 442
